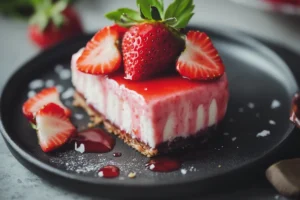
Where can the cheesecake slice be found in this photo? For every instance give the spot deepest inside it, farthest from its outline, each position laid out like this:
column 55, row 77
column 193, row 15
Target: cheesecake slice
column 153, row 116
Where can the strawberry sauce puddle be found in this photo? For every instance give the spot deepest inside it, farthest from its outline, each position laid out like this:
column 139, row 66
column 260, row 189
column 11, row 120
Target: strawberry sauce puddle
column 94, row 141
column 109, row 171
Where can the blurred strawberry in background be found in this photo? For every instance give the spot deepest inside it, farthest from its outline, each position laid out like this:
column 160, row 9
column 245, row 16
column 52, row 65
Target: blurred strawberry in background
column 281, row 2
column 52, row 22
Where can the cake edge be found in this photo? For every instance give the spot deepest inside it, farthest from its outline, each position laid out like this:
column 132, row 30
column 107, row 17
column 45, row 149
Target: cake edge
column 166, row 147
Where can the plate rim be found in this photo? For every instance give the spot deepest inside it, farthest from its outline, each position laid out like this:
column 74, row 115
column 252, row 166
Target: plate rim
column 224, row 31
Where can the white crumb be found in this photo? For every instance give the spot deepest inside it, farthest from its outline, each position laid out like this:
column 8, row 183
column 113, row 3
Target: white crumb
column 58, row 68
column 219, row 166
column 275, row 104
column 152, row 166
column 226, row 133
column 192, row 169
column 36, row 84
column 80, row 148
column 132, row 175
column 68, row 93
column 237, row 147
column 233, row 139
column 146, row 89
column 241, row 110
column 100, row 174
column 78, row 116
column 49, row 83
column 65, row 74
column 276, row 197
column 183, row 171
column 272, row 122
column 264, row 133
column 31, row 94
column 251, row 105
column 60, row 88
column 257, row 115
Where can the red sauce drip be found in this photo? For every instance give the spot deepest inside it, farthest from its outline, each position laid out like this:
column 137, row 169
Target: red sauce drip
column 151, row 88
column 295, row 112
column 109, row 171
column 163, row 164
column 95, row 141
column 117, row 154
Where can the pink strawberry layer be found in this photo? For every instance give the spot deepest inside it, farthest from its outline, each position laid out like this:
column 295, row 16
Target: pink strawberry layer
column 156, row 110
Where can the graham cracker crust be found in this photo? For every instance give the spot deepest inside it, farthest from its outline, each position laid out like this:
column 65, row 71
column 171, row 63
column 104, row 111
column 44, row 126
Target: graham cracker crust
column 97, row 118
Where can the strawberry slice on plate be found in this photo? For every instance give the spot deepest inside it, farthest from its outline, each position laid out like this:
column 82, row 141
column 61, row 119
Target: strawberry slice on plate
column 34, row 104
column 101, row 54
column 200, row 59
column 53, row 127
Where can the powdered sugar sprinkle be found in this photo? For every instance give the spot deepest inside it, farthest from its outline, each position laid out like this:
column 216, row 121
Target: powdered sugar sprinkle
column 49, row 83
column 36, row 84
column 275, row 104
column 251, row 105
column 65, row 74
column 183, row 171
column 264, row 133
column 68, row 93
column 31, row 94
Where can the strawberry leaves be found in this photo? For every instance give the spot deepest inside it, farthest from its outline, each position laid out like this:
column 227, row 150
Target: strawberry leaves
column 177, row 15
column 148, row 6
column 125, row 17
column 46, row 11
column 182, row 11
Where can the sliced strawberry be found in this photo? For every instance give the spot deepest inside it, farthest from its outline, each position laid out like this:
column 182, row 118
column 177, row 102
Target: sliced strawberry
column 200, row 60
column 101, row 54
column 34, row 104
column 53, row 127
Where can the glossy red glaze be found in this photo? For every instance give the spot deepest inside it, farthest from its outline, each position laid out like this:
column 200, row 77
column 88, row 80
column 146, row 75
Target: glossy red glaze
column 95, row 140
column 160, row 86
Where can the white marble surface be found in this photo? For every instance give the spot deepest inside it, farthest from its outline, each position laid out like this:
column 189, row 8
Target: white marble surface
column 20, row 184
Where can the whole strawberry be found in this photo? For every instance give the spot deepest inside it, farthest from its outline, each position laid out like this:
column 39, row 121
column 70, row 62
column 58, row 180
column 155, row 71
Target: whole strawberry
column 153, row 42
column 53, row 22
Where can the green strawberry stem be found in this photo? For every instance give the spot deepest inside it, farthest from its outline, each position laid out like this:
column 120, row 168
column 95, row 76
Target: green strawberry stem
column 176, row 16
column 46, row 11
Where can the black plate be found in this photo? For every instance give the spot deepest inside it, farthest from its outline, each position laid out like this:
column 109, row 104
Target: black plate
column 257, row 77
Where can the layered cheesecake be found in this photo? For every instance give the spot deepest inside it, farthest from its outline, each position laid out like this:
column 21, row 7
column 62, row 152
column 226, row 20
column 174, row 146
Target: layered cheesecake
column 150, row 115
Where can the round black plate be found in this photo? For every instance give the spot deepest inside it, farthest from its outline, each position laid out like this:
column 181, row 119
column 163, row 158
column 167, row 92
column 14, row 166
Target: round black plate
column 261, row 89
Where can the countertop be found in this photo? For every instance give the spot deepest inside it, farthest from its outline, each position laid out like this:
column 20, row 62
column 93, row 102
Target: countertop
column 19, row 183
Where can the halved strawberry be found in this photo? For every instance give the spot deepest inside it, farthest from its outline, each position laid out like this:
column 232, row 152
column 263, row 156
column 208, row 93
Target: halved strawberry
column 53, row 127
column 121, row 30
column 200, row 59
column 34, row 104
column 101, row 54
